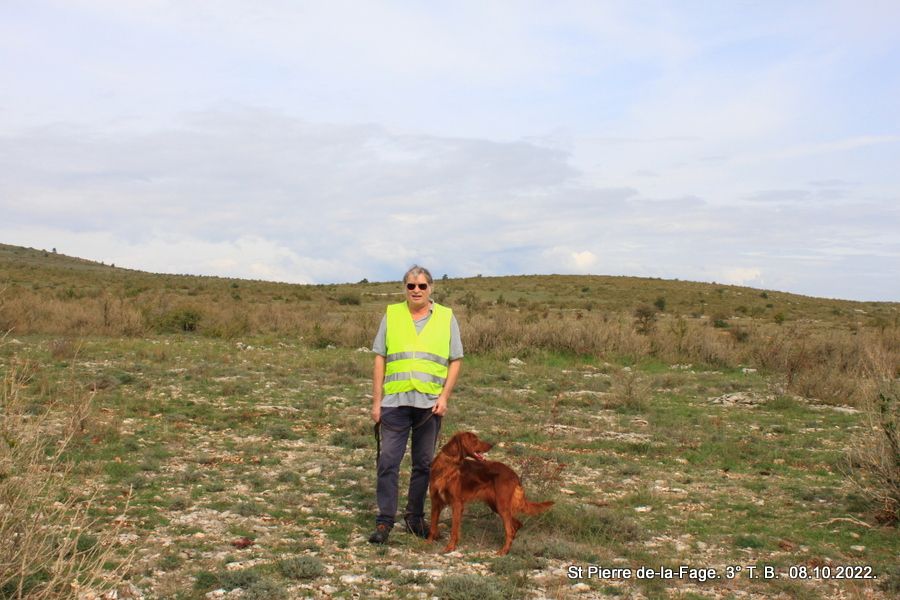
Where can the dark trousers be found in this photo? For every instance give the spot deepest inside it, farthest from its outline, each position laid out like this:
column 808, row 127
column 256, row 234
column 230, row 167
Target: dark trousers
column 396, row 425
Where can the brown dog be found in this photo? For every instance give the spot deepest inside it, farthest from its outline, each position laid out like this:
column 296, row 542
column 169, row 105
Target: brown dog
column 456, row 480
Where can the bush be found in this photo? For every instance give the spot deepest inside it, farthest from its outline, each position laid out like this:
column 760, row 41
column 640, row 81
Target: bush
column 247, row 509
column 890, row 581
column 205, row 580
column 178, row 320
column 470, row 301
column 243, row 579
column 474, row 587
column 280, row 431
column 62, row 349
column 349, row 299
column 629, row 393
column 590, row 524
column 301, row 567
column 351, row 440
column 644, row 318
column 740, row 334
column 322, row 338
column 874, row 463
column 264, row 589
column 288, row 477
column 543, row 476
column 511, row 564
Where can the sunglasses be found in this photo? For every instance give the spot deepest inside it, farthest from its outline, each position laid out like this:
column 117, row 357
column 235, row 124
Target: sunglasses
column 412, row 286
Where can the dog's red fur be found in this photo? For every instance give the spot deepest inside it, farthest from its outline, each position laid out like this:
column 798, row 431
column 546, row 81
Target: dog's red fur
column 459, row 475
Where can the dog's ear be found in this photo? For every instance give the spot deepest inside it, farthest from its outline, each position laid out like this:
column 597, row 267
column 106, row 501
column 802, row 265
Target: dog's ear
column 456, row 447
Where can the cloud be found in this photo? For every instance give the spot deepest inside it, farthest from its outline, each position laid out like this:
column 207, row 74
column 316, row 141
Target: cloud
column 584, row 261
column 259, row 194
column 780, row 196
column 743, row 276
column 833, row 146
column 833, row 183
column 203, row 176
column 334, row 141
column 231, row 193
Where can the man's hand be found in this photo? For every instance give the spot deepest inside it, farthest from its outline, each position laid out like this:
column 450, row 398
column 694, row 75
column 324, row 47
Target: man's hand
column 440, row 407
column 376, row 412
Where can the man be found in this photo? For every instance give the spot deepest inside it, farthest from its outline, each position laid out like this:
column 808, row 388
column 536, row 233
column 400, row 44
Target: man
column 418, row 357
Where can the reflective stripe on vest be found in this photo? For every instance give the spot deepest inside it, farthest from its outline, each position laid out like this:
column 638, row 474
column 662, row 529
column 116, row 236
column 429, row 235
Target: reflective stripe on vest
column 416, row 361
column 404, row 355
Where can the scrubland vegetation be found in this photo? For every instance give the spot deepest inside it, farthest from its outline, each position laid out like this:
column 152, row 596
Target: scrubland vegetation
column 169, row 436
column 823, row 349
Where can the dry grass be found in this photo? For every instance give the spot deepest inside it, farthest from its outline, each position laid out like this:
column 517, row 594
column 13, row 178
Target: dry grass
column 827, row 364
column 819, row 347
column 51, row 546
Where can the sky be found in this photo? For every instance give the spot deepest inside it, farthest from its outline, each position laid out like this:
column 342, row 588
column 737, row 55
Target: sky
column 748, row 143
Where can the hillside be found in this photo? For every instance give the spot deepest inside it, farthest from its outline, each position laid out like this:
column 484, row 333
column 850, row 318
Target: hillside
column 46, row 275
column 211, row 435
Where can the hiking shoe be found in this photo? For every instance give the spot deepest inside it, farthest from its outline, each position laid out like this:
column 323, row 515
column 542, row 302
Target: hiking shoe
column 380, row 535
column 416, row 526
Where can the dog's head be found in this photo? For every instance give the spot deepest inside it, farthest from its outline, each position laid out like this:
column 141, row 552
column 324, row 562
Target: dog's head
column 465, row 444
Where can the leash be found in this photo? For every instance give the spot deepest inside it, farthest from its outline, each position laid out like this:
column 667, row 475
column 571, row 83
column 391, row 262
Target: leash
column 378, row 427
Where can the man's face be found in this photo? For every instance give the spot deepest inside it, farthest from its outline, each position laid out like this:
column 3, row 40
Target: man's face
column 418, row 297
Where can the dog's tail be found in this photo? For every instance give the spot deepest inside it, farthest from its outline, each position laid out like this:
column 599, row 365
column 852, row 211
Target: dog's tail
column 523, row 505
column 536, row 508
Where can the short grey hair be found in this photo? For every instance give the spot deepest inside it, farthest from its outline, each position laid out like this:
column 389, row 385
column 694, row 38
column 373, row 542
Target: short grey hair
column 415, row 271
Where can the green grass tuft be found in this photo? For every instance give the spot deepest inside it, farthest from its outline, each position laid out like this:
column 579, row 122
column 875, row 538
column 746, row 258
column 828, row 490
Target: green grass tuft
column 301, row 567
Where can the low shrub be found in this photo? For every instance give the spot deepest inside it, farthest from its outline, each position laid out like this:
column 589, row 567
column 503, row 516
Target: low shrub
column 301, row 567
column 873, row 464
column 474, row 587
column 644, row 318
column 178, row 320
column 629, row 392
column 265, row 588
column 349, row 300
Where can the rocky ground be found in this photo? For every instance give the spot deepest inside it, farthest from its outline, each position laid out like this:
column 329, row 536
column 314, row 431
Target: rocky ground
column 246, row 471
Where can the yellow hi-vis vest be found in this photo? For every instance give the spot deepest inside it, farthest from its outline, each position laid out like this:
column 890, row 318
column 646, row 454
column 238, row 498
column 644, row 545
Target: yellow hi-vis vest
column 416, row 361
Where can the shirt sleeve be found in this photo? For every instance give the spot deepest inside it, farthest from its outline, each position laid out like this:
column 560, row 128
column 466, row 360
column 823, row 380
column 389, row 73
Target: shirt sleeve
column 456, row 347
column 379, row 346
